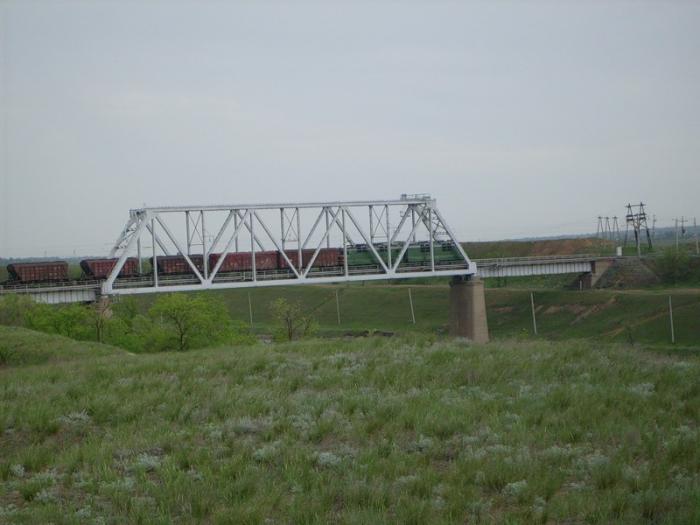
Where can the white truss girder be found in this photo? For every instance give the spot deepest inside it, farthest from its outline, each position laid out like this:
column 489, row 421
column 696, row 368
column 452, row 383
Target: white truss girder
column 301, row 225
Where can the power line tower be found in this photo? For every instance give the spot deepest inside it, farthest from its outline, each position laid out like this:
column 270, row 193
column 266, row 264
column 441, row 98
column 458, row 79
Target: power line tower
column 599, row 229
column 608, row 229
column 637, row 218
column 682, row 222
column 616, row 230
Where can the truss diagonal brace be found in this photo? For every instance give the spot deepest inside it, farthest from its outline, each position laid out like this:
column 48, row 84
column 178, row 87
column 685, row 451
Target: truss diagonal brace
column 179, row 249
column 227, row 250
column 364, row 236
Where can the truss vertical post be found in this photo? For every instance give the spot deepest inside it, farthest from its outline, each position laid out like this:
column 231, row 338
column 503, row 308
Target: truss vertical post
column 138, row 251
column 155, row 254
column 205, row 262
column 345, row 245
column 413, row 222
column 432, row 240
column 300, row 263
column 371, row 224
column 235, row 226
column 328, row 225
column 283, row 236
column 388, row 236
column 187, row 232
column 252, row 249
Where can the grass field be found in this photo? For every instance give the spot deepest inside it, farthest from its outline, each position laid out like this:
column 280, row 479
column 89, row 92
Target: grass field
column 610, row 316
column 376, row 430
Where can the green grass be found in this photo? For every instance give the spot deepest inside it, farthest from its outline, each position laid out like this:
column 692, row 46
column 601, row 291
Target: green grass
column 398, row 430
column 623, row 316
column 19, row 347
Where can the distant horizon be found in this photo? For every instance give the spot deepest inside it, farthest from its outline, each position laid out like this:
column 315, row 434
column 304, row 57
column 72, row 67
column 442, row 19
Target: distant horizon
column 589, row 235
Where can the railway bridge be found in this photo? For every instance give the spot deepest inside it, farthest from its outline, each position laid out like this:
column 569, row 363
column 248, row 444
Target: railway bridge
column 193, row 248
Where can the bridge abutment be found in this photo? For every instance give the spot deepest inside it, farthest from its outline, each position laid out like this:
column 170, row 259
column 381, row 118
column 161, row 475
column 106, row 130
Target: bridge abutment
column 468, row 310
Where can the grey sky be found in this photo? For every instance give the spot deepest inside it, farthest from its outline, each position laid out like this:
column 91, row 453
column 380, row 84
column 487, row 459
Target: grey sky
column 521, row 118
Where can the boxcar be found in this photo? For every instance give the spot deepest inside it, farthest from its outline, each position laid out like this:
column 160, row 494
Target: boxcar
column 243, row 262
column 327, row 257
column 38, row 271
column 177, row 264
column 101, row 268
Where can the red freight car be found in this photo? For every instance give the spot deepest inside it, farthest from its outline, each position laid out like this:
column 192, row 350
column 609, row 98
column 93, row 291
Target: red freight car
column 326, row 257
column 101, row 268
column 242, row 261
column 234, row 262
column 38, row 271
column 178, row 265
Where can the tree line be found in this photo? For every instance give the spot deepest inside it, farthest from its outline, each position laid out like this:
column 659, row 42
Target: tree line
column 173, row 322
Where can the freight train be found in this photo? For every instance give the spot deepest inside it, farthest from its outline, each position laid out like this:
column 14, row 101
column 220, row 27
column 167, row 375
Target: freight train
column 358, row 256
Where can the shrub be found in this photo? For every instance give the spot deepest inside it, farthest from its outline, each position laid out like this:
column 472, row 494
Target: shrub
column 14, row 309
column 294, row 324
column 674, row 266
column 193, row 321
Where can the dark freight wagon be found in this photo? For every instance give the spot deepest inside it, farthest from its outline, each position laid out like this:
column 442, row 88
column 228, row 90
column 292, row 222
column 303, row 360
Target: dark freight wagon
column 101, row 268
column 327, row 257
column 38, row 271
column 178, row 265
column 242, row 261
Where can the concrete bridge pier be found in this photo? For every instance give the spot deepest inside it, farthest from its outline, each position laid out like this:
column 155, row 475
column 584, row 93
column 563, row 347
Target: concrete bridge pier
column 468, row 310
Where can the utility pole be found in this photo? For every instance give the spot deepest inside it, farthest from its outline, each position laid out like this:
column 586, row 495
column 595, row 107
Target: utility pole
column 695, row 228
column 676, row 235
column 670, row 315
column 534, row 318
column 337, row 305
column 410, row 301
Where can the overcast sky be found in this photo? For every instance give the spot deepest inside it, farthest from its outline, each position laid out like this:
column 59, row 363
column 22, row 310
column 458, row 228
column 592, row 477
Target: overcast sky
column 521, row 118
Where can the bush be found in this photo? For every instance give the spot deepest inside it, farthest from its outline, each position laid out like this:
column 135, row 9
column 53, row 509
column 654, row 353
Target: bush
column 674, row 266
column 185, row 321
column 293, row 323
column 14, row 309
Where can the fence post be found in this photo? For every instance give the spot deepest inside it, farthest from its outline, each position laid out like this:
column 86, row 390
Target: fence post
column 670, row 315
column 410, row 301
column 250, row 310
column 337, row 304
column 534, row 319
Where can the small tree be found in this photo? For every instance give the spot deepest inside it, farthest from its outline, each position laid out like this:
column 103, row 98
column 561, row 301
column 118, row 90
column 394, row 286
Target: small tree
column 195, row 321
column 100, row 314
column 290, row 315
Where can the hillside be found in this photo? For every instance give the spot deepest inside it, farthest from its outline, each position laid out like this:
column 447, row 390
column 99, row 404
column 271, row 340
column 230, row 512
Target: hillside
column 601, row 315
column 536, row 248
column 19, row 347
column 373, row 431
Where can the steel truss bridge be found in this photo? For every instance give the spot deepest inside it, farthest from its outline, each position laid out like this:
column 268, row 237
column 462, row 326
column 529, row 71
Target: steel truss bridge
column 290, row 230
